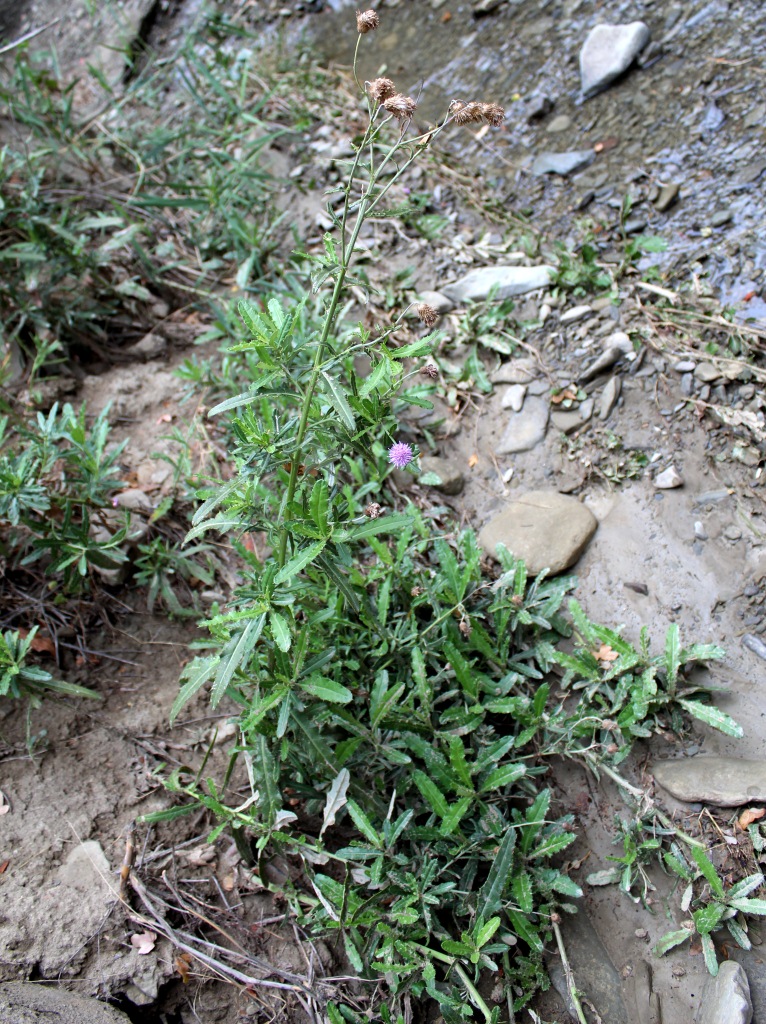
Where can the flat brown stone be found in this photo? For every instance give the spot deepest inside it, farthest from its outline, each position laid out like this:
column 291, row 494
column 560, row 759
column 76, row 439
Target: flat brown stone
column 544, row 528
column 723, row 781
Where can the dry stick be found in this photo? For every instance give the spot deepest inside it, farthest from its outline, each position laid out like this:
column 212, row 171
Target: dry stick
column 127, row 860
column 574, row 995
column 177, row 938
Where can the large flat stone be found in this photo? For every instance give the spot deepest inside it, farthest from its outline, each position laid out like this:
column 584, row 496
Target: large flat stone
column 608, row 51
column 723, row 781
column 525, row 429
column 24, row 1002
column 507, row 282
column 726, row 998
column 544, row 528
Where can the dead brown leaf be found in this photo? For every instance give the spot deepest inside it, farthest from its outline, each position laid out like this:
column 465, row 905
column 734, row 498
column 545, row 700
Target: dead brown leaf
column 182, row 965
column 749, row 816
column 605, row 653
column 562, row 396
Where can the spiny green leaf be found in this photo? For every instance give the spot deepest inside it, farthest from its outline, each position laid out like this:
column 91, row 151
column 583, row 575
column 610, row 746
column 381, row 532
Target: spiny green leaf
column 280, row 630
column 714, row 717
column 670, row 940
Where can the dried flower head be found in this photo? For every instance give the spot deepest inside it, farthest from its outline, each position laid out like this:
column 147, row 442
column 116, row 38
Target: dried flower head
column 430, row 371
column 416, row 592
column 373, row 510
column 465, row 627
column 401, row 106
column 400, row 454
column 381, row 89
column 427, row 314
column 366, row 21
column 493, row 114
column 466, row 113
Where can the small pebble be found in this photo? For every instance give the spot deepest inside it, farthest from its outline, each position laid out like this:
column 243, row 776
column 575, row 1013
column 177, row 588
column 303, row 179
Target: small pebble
column 699, row 531
column 685, row 366
column 732, row 532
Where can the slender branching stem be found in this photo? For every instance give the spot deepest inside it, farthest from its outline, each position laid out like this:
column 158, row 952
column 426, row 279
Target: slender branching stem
column 574, row 995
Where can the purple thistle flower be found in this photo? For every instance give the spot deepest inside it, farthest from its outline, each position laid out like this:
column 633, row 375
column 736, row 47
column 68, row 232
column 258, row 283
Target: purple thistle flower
column 400, row 454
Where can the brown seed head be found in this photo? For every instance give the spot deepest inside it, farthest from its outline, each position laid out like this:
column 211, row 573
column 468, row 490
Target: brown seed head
column 430, row 371
column 402, row 107
column 381, row 89
column 493, row 114
column 467, row 113
column 373, row 510
column 465, row 627
column 427, row 314
column 366, row 21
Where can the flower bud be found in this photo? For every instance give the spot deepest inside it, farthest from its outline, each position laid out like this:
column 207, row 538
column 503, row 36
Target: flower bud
column 381, row 89
column 427, row 314
column 366, row 21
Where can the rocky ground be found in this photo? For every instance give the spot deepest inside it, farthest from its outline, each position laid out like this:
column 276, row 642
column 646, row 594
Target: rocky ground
column 619, row 429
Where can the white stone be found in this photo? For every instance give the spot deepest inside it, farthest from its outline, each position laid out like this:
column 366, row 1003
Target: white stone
column 507, row 282
column 608, row 51
column 514, row 397
column 668, row 479
column 726, row 998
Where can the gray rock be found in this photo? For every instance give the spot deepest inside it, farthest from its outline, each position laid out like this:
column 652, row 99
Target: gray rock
column 151, row 346
column 508, row 281
column 609, row 397
column 545, row 528
column 707, row 373
column 726, row 998
column 515, row 371
column 525, row 429
column 687, row 384
column 514, row 397
column 608, row 51
column 755, row 644
column 595, row 975
column 566, row 420
column 586, row 409
column 26, row 1002
column 668, row 479
column 537, row 107
column 720, row 217
column 685, row 366
column 713, row 117
column 604, row 361
column 438, row 300
column 668, row 195
column 575, row 313
column 562, row 163
column 723, row 781
column 449, row 475
column 620, row 340
column 559, row 124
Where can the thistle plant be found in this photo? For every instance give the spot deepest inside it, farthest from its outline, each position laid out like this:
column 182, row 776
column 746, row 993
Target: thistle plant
column 386, row 686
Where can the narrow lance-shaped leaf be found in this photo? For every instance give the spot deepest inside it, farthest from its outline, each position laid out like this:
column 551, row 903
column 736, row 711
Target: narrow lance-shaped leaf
column 339, row 401
column 491, row 892
column 230, row 661
column 299, row 561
